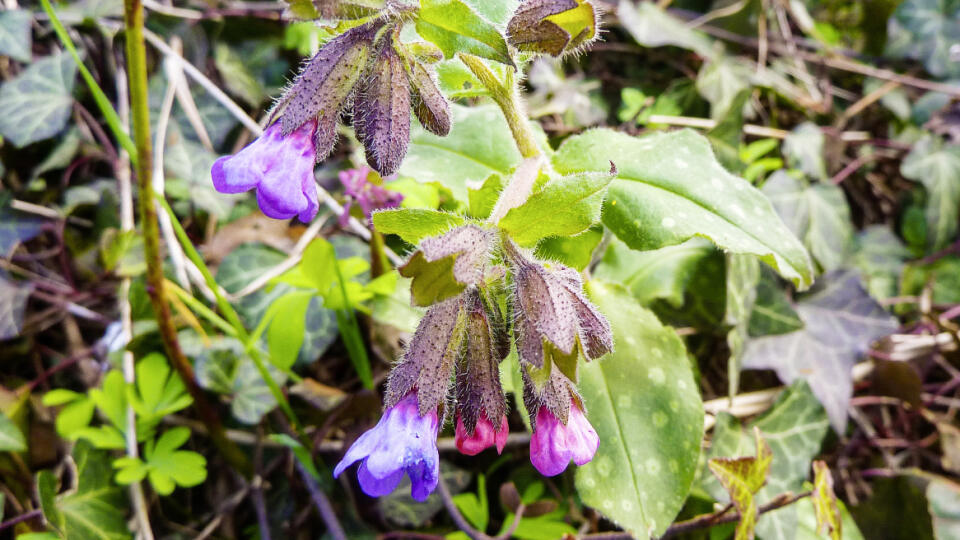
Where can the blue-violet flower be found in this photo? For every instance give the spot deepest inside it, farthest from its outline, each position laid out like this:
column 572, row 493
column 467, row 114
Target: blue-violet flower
column 401, row 442
column 553, row 443
column 368, row 195
column 279, row 167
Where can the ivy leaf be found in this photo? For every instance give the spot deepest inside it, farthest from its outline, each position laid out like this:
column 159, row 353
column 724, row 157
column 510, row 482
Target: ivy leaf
column 479, row 144
column 742, row 276
column 653, row 27
column 721, row 81
column 455, row 27
column 96, row 509
column 742, row 478
column 803, row 149
column 563, row 207
column 15, row 34
column 657, row 201
column 840, row 321
column 880, row 256
column 937, row 166
column 644, row 404
column 13, row 302
column 37, row 104
column 414, row 224
column 794, row 428
column 824, row 501
column 168, row 467
column 15, row 226
column 818, row 214
column 943, row 497
column 926, row 30
column 11, row 438
column 772, row 313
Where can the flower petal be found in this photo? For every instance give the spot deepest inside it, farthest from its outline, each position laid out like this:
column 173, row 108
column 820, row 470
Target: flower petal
column 377, row 487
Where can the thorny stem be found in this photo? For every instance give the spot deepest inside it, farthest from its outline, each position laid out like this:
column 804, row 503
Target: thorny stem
column 137, row 76
column 506, row 97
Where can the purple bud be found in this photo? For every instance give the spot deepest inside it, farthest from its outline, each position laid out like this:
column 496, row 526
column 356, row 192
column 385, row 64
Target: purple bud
column 554, row 443
column 403, row 441
column 479, row 392
column 431, row 108
column 484, row 435
column 369, row 195
column 280, row 167
column 381, row 115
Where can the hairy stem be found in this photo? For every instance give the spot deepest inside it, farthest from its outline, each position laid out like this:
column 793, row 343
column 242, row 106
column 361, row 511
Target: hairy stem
column 137, row 76
column 505, row 95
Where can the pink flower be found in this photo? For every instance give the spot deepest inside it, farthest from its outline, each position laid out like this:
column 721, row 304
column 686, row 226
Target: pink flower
column 402, row 442
column 554, row 444
column 368, row 195
column 484, row 435
column 279, row 167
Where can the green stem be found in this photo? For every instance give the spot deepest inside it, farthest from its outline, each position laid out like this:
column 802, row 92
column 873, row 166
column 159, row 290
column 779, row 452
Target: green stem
column 505, row 95
column 139, row 106
column 111, row 116
column 232, row 317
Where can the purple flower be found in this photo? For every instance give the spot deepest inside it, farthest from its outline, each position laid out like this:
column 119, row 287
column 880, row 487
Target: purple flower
column 484, row 435
column 554, row 444
column 279, row 167
column 368, row 195
column 401, row 442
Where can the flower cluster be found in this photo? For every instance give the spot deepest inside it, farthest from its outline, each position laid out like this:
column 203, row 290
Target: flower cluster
column 452, row 364
column 366, row 69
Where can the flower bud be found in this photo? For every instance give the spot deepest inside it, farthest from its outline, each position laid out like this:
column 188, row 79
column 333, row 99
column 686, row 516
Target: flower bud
column 479, row 392
column 561, row 432
column 553, row 27
column 484, row 435
column 431, row 108
column 322, row 87
column 382, row 112
column 551, row 307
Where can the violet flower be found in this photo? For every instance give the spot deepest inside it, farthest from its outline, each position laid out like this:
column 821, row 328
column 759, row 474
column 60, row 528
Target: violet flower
column 484, row 435
column 368, row 195
column 554, row 444
column 401, row 442
column 279, row 167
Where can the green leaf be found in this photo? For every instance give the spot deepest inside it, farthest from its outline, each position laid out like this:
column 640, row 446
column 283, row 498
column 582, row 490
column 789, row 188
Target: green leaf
column 237, row 76
column 825, row 502
column 927, row 30
column 670, row 188
column 11, row 439
column 840, row 322
column 563, row 207
column 573, row 251
column 479, row 144
column 742, row 478
column 96, row 509
column 159, row 390
column 432, row 281
column 807, row 522
column 803, row 149
column 721, row 80
column 662, row 273
column 36, row 105
column 653, row 27
column 943, row 496
column 880, row 256
column 794, row 428
column 644, row 403
column 285, row 335
column 75, row 417
column 454, row 27
column 937, row 166
column 13, row 303
column 15, row 226
column 414, row 224
column 15, row 34
column 772, row 313
column 742, row 275
column 169, row 467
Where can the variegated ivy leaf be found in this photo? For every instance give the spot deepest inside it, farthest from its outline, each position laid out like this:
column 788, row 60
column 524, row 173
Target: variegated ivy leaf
column 840, row 322
column 743, row 477
column 36, row 105
column 937, row 166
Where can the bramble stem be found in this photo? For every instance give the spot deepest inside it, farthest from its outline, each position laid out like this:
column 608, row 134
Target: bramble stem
column 506, row 97
column 137, row 76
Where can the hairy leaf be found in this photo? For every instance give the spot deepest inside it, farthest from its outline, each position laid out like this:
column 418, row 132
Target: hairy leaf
column 455, row 27
column 414, row 224
column 670, row 188
column 644, row 404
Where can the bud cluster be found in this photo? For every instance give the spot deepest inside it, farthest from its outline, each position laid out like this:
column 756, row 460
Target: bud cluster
column 493, row 291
